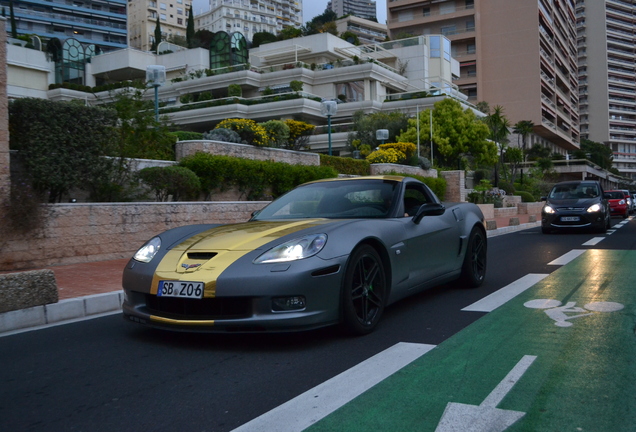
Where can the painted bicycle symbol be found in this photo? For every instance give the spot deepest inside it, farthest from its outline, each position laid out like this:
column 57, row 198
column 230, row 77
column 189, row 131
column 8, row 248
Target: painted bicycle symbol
column 563, row 314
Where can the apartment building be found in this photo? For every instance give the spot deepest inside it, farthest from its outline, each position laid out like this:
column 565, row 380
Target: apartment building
column 143, row 16
column 360, row 8
column 366, row 30
column 518, row 54
column 250, row 16
column 607, row 67
column 99, row 22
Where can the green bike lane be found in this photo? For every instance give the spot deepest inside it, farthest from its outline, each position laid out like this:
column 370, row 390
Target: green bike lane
column 559, row 356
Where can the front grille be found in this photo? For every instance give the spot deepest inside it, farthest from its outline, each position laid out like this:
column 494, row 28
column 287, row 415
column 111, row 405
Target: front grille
column 201, row 255
column 201, row 309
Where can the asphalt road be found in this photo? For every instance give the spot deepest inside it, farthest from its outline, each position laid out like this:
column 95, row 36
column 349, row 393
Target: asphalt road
column 108, row 375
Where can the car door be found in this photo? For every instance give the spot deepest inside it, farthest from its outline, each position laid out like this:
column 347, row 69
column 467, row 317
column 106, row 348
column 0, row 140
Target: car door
column 432, row 245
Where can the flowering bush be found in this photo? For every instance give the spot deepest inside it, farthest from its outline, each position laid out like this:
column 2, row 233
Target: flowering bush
column 407, row 148
column 299, row 133
column 389, row 155
column 250, row 131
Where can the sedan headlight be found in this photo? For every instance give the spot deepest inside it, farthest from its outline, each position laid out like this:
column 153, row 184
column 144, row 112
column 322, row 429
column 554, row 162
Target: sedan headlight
column 594, row 208
column 293, row 250
column 148, row 251
column 621, row 202
column 548, row 209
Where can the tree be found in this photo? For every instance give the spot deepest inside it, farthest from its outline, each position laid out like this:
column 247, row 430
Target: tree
column 499, row 127
column 319, row 22
column 157, row 41
column 190, row 35
column 60, row 144
column 366, row 125
column 522, row 128
column 262, row 38
column 595, row 152
column 202, row 38
column 290, row 33
column 14, row 28
column 456, row 133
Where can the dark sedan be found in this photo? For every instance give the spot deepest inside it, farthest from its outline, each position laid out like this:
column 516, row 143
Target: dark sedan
column 575, row 205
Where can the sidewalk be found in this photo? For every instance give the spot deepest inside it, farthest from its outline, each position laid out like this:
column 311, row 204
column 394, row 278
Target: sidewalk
column 94, row 289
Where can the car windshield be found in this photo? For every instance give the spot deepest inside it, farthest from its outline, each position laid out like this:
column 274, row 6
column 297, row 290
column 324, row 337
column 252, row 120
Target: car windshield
column 344, row 199
column 574, row 191
column 615, row 195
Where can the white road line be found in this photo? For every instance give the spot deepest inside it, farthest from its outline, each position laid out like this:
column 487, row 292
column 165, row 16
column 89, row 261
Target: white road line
column 563, row 260
column 327, row 397
column 594, row 241
column 505, row 294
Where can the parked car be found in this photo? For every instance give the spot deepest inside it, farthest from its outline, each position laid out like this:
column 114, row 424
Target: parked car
column 618, row 203
column 328, row 252
column 575, row 205
column 631, row 204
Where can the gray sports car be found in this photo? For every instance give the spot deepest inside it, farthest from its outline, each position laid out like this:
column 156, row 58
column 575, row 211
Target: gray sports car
column 335, row 251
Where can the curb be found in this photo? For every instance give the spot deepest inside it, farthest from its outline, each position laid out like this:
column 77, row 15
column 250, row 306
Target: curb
column 512, row 228
column 97, row 305
column 63, row 311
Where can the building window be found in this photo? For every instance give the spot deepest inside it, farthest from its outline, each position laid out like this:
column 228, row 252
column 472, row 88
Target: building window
column 180, row 21
column 179, row 11
column 162, row 6
column 426, row 11
column 436, row 49
column 163, row 17
column 152, row 4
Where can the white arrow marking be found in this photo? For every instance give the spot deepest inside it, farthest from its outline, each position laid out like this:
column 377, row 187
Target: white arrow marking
column 459, row 417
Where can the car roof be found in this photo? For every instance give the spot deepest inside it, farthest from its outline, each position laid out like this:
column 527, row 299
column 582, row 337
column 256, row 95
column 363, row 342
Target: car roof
column 576, row 182
column 395, row 178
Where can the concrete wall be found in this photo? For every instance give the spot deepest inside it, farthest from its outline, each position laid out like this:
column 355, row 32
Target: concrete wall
column 5, row 176
column 76, row 233
column 246, row 151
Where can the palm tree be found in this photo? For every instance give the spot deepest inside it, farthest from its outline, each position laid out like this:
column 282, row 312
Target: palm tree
column 499, row 130
column 523, row 128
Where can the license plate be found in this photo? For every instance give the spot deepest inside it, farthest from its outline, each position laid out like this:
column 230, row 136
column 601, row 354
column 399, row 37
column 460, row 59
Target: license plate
column 570, row 219
column 182, row 289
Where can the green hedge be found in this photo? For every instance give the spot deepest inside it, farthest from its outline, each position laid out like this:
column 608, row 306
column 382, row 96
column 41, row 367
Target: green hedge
column 255, row 179
column 177, row 181
column 187, row 135
column 346, row 165
column 526, row 196
column 437, row 185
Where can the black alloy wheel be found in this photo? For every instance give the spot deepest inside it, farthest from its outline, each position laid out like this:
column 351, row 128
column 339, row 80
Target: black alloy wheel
column 364, row 291
column 474, row 267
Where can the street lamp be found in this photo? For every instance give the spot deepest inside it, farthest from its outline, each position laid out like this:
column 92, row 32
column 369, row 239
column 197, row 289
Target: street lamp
column 382, row 135
column 156, row 77
column 329, row 108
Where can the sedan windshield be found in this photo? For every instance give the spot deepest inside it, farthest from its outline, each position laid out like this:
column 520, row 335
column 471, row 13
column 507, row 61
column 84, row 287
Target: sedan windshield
column 334, row 199
column 574, row 191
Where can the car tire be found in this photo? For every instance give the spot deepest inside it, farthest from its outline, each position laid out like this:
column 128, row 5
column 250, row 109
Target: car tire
column 475, row 260
column 364, row 291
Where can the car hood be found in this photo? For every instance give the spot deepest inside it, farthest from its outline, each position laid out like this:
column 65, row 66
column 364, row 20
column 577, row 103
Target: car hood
column 573, row 203
column 204, row 256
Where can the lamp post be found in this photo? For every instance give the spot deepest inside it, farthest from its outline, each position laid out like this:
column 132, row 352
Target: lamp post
column 156, row 77
column 329, row 108
column 382, row 135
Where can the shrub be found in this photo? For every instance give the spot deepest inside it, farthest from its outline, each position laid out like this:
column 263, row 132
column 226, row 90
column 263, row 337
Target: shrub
column 234, row 90
column 250, row 131
column 222, row 134
column 296, row 86
column 254, row 179
column 346, row 165
column 186, row 98
column 390, row 155
column 526, row 196
column 299, row 133
column 187, row 135
column 205, row 96
column 178, row 181
column 407, row 148
column 277, row 133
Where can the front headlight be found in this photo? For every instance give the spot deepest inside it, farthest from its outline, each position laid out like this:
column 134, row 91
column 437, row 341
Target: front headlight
column 621, row 202
column 293, row 250
column 148, row 251
column 594, row 208
column 548, row 209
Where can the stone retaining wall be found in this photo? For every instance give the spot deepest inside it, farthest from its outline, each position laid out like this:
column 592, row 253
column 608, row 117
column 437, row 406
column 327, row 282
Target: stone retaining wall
column 27, row 289
column 245, row 151
column 76, row 233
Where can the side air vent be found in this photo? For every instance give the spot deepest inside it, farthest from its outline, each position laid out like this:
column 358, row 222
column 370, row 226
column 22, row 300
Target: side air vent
column 327, row 271
column 201, row 255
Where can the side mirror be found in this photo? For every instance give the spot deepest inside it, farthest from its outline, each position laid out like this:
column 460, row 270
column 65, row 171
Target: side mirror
column 431, row 209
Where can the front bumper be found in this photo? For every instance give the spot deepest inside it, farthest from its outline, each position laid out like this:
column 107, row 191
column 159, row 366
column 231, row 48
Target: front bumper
column 245, row 300
column 564, row 219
